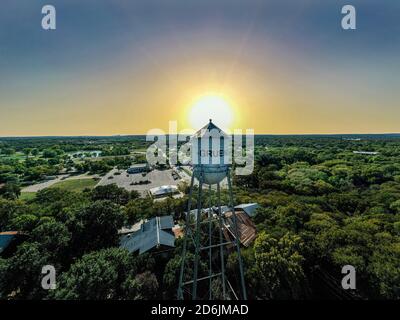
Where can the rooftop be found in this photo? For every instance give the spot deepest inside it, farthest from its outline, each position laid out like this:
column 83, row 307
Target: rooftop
column 366, row 152
column 167, row 189
column 246, row 229
column 207, row 128
column 152, row 234
column 6, row 238
column 138, row 165
column 249, row 208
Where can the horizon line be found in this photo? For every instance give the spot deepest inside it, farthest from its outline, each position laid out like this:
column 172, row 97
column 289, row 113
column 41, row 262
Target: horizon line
column 256, row 134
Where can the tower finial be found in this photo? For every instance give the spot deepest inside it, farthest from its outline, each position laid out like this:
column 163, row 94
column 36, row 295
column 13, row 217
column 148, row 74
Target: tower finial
column 210, row 120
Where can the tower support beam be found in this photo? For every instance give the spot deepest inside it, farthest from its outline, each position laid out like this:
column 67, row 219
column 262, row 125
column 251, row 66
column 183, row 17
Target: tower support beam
column 197, row 240
column 186, row 234
column 236, row 231
column 220, row 240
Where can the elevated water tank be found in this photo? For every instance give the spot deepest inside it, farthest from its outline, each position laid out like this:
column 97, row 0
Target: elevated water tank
column 210, row 150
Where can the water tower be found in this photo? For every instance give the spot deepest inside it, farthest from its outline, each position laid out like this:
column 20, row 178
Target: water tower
column 205, row 247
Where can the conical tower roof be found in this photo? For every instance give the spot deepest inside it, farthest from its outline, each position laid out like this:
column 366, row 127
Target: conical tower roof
column 207, row 128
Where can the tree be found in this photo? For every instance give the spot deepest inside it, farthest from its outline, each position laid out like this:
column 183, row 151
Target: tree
column 395, row 206
column 35, row 152
column 8, row 151
column 10, row 190
column 27, row 152
column 141, row 208
column 8, row 210
column 113, row 193
column 21, row 274
column 53, row 237
column 95, row 276
column 385, row 271
column 172, row 269
column 96, row 226
column 171, row 274
column 280, row 265
column 108, row 274
column 133, row 211
column 13, row 215
column 184, row 187
column 255, row 288
column 24, row 222
column 49, row 153
column 143, row 286
column 292, row 216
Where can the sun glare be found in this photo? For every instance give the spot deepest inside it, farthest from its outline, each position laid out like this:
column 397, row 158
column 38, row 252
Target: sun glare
column 213, row 107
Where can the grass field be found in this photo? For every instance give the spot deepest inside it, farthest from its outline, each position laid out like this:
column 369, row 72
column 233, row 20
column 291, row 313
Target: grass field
column 76, row 184
column 27, row 196
column 15, row 156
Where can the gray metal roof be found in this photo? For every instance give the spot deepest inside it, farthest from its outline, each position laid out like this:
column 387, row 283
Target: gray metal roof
column 5, row 239
column 163, row 190
column 249, row 208
column 138, row 165
column 166, row 222
column 150, row 235
column 207, row 128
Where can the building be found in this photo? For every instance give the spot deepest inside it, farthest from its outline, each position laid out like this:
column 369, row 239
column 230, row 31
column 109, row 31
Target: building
column 249, row 208
column 131, row 229
column 164, row 191
column 6, row 238
column 370, row 153
column 138, row 168
column 246, row 227
column 9, row 241
column 154, row 234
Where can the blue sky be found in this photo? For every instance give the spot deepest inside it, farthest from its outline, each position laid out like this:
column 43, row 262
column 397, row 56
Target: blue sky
column 286, row 60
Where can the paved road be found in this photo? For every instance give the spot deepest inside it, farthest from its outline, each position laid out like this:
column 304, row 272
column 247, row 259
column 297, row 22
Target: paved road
column 43, row 185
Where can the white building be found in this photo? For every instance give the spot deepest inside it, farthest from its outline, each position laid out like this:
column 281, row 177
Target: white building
column 371, row 153
column 164, row 191
column 138, row 168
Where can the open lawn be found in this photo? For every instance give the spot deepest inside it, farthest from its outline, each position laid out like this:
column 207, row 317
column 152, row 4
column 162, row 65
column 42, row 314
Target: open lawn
column 27, row 196
column 15, row 156
column 75, row 184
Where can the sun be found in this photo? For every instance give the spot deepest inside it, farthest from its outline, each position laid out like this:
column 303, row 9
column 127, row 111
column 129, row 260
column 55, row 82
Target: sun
column 211, row 106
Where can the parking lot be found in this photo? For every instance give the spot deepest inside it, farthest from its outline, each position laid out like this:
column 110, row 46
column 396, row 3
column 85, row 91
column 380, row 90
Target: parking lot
column 122, row 179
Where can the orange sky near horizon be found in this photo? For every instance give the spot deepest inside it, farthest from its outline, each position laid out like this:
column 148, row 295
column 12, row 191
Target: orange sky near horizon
column 270, row 99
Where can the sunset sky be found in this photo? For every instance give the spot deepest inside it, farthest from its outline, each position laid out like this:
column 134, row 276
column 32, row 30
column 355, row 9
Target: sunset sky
column 127, row 66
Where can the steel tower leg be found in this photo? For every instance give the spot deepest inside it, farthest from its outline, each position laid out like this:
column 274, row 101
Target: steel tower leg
column 210, row 242
column 221, row 248
column 186, row 233
column 197, row 240
column 237, row 237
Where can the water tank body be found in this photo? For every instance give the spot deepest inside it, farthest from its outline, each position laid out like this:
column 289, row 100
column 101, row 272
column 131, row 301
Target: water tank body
column 210, row 154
